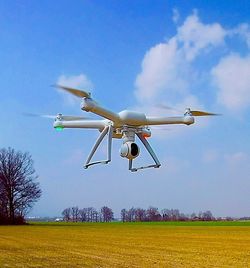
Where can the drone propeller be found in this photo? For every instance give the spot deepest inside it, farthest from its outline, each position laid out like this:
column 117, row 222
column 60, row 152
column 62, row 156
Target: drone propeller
column 188, row 111
column 202, row 113
column 166, row 107
column 76, row 92
column 59, row 116
column 199, row 113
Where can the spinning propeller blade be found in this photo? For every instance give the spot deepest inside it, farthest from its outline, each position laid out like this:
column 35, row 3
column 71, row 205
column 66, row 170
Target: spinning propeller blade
column 78, row 93
column 59, row 116
column 72, row 118
column 188, row 111
column 202, row 113
column 40, row 115
column 166, row 107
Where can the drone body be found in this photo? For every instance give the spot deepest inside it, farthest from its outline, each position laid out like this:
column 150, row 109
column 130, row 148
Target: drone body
column 125, row 125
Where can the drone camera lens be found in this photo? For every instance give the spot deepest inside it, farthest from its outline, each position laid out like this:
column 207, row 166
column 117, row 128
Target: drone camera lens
column 134, row 149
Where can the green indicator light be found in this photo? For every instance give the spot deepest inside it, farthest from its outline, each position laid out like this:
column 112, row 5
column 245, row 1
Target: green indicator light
column 59, row 128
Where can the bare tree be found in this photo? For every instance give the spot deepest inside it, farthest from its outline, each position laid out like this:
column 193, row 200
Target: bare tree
column 66, row 214
column 200, row 215
column 107, row 214
column 123, row 215
column 165, row 214
column 18, row 189
column 131, row 215
column 90, row 214
column 3, row 205
column 175, row 214
column 153, row 214
column 75, row 214
column 83, row 214
column 140, row 214
column 207, row 216
column 172, row 215
column 193, row 216
column 95, row 216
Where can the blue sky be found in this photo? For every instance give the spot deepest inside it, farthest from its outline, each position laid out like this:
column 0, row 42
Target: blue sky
column 131, row 54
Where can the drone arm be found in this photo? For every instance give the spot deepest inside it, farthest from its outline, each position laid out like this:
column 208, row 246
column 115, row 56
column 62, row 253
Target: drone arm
column 187, row 120
column 90, row 105
column 94, row 124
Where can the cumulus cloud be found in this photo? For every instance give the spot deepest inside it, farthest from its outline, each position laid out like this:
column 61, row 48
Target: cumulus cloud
column 78, row 81
column 160, row 71
column 197, row 36
column 232, row 78
column 169, row 71
column 167, row 68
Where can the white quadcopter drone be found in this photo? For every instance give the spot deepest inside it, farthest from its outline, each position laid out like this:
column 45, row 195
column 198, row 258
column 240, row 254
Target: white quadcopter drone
column 125, row 125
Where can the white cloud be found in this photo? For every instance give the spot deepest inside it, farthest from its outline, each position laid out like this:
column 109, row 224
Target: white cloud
column 189, row 101
column 197, row 36
column 80, row 81
column 232, row 78
column 167, row 71
column 77, row 81
column 160, row 72
column 168, row 74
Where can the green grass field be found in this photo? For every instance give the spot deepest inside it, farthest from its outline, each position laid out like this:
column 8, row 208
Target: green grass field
column 171, row 244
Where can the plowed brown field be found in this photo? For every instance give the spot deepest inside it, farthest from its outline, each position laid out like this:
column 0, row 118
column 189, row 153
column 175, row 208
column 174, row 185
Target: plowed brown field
column 125, row 245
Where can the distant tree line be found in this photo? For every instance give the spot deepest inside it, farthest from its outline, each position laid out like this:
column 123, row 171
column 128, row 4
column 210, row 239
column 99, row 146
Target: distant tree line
column 18, row 189
column 90, row 214
column 153, row 214
column 105, row 214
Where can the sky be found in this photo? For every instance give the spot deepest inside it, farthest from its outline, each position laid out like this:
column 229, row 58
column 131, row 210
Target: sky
column 131, row 55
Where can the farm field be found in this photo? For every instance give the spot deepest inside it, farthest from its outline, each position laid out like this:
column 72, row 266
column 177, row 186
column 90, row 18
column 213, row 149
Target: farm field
column 191, row 244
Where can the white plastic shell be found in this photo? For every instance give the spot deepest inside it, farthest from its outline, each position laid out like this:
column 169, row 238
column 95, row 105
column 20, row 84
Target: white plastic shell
column 132, row 118
column 129, row 150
